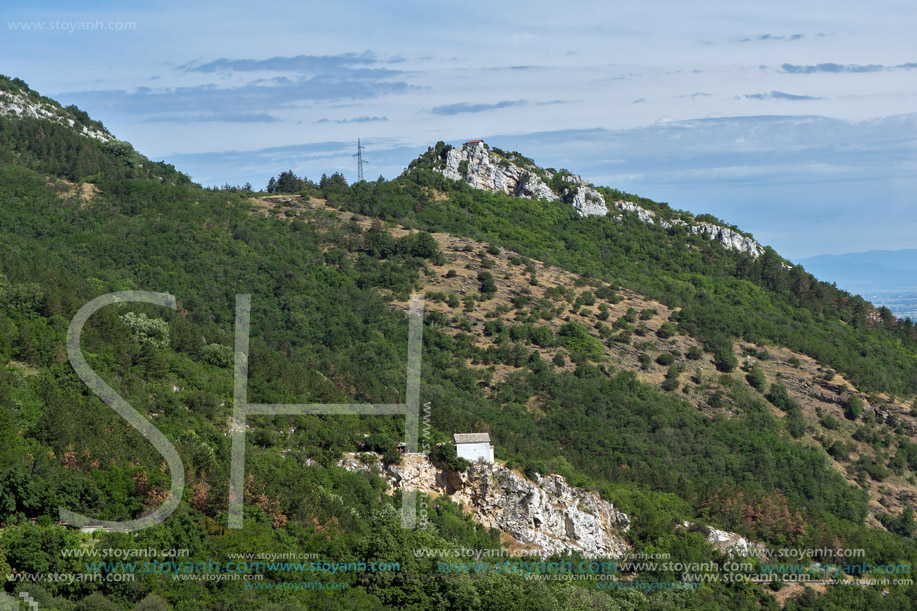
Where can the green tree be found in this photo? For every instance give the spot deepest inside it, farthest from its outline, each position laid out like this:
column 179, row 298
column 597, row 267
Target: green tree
column 488, row 286
column 853, row 407
column 724, row 359
column 756, row 378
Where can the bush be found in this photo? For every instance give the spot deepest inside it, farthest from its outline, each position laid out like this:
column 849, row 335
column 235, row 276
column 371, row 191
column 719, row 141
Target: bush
column 151, row 331
column 445, row 456
column 795, row 423
column 666, row 330
column 829, row 422
column 665, row 359
column 724, row 359
column 756, row 378
column 839, row 450
column 853, row 407
column 779, row 397
column 694, row 353
column 217, row 355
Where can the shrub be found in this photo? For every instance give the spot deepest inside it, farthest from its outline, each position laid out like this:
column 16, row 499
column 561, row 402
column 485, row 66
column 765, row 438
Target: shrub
column 779, row 397
column 853, row 407
column 829, row 422
column 445, row 456
column 217, row 355
column 724, row 359
column 666, row 330
column 151, row 331
column 756, row 378
column 488, row 286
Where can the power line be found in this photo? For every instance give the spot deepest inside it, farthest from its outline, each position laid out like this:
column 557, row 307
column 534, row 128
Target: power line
column 359, row 157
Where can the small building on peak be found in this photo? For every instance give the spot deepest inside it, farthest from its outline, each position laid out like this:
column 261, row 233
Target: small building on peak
column 474, row 446
column 473, row 142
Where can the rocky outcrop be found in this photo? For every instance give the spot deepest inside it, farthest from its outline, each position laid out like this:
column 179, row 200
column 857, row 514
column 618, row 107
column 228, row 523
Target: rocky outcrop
column 728, row 238
column 485, row 169
column 547, row 514
column 584, row 199
column 730, row 544
column 18, row 104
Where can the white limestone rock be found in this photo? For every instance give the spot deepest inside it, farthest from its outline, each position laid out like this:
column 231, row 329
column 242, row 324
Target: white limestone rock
column 483, row 169
column 729, row 543
column 20, row 105
column 547, row 514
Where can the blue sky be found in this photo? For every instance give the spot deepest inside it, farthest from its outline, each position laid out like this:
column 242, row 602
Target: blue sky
column 796, row 121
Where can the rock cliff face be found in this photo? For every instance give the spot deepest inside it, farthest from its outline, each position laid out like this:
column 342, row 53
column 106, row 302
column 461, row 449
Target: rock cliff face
column 731, row 544
column 547, row 514
column 17, row 104
column 728, row 238
column 485, row 169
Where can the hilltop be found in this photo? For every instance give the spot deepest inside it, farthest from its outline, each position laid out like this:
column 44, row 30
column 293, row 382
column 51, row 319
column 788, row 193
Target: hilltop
column 492, row 169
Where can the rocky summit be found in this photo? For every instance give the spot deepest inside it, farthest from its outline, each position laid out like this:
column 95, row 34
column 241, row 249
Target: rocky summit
column 491, row 169
column 486, row 169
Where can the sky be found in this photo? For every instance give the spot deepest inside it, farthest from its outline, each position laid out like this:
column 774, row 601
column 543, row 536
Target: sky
column 796, row 121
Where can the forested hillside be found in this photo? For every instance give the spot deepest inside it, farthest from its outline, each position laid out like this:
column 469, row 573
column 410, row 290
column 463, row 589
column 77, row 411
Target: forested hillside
column 628, row 358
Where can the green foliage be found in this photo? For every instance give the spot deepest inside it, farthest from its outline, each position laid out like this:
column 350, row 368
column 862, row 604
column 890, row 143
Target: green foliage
column 488, row 286
column 666, row 330
column 444, row 455
column 289, row 182
column 579, row 342
column 151, row 331
column 645, row 361
column 853, row 407
column 781, row 399
column 902, row 525
column 724, row 359
column 756, row 378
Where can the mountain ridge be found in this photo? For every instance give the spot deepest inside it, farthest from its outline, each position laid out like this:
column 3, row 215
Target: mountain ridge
column 491, row 169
